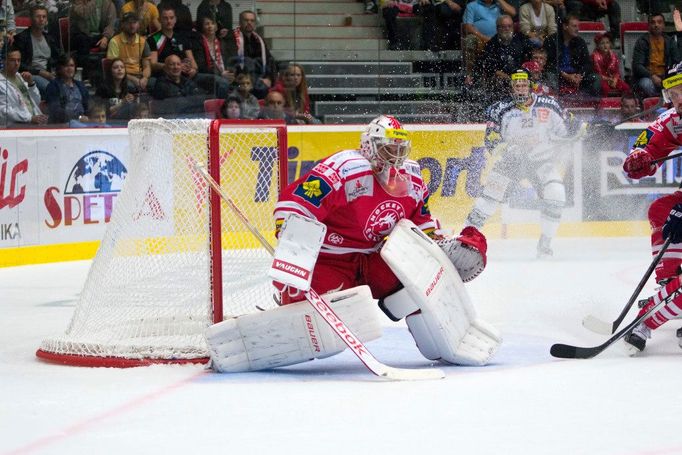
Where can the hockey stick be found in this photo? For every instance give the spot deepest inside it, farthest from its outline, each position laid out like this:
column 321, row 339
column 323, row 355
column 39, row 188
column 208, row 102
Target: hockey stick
column 327, row 313
column 604, row 328
column 641, row 114
column 566, row 351
column 669, row 157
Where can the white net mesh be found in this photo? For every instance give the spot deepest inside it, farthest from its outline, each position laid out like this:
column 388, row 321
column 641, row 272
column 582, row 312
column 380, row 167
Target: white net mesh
column 148, row 293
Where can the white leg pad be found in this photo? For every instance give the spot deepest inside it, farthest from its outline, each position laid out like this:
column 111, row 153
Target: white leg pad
column 445, row 327
column 399, row 304
column 290, row 334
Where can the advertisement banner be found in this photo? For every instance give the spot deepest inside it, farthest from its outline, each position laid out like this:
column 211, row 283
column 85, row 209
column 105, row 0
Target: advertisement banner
column 608, row 194
column 18, row 182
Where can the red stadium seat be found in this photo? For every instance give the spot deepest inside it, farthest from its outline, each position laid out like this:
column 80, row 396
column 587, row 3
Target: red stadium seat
column 213, row 106
column 609, row 103
column 648, row 103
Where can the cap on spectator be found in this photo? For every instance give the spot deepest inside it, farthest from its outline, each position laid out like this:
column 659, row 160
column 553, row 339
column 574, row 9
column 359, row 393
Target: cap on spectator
column 130, row 17
column 531, row 66
column 600, row 36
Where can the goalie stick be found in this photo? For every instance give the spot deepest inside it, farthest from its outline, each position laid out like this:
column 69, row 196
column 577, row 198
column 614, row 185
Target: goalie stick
column 327, row 313
column 601, row 327
column 566, row 351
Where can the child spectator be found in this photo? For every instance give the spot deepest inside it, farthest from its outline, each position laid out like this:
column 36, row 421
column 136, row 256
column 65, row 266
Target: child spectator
column 231, row 108
column 535, row 75
column 606, row 64
column 67, row 99
column 117, row 93
column 96, row 118
column 249, row 103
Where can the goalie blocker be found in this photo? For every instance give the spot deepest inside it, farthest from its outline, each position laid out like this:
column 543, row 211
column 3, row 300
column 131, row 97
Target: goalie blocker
column 437, row 308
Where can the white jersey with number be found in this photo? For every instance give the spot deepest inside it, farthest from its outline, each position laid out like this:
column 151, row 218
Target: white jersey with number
column 532, row 128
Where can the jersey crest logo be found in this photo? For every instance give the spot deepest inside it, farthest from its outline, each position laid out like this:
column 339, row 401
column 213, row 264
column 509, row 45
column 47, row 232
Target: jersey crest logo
column 313, row 190
column 382, row 220
column 643, row 138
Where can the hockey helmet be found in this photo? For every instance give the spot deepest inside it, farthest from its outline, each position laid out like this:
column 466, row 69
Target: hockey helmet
column 673, row 79
column 385, row 142
column 386, row 145
column 520, row 86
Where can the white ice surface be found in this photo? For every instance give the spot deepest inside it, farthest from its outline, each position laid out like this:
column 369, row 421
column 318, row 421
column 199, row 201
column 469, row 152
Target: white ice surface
column 526, row 402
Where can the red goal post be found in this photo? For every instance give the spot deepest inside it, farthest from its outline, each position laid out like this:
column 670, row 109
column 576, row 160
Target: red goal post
column 173, row 260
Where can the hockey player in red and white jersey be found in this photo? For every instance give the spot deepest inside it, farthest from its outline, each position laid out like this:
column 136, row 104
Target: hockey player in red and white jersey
column 524, row 130
column 657, row 141
column 336, row 218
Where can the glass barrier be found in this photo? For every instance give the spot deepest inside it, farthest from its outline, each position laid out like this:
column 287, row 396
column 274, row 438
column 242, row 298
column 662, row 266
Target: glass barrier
column 102, row 62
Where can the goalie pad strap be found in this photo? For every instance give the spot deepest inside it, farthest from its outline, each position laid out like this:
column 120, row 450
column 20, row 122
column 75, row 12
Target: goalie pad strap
column 290, row 334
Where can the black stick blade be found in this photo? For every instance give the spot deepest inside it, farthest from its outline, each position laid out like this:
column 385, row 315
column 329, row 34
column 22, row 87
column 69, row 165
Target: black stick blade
column 566, row 351
column 563, row 351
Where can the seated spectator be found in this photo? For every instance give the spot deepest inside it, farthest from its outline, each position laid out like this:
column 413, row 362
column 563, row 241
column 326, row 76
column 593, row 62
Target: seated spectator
column 248, row 52
column 594, row 10
column 502, row 55
column 209, row 53
column 273, row 109
column 569, row 67
column 607, row 65
column 92, row 25
column 390, row 10
column 168, row 41
column 220, row 11
column 19, row 96
column 39, row 50
column 537, row 84
column 67, row 99
column 184, row 22
column 147, row 13
column 248, row 103
column 629, row 107
column 480, row 24
column 132, row 48
column 115, row 92
column 231, row 108
column 183, row 96
column 652, row 55
column 442, row 25
column 294, row 87
column 537, row 21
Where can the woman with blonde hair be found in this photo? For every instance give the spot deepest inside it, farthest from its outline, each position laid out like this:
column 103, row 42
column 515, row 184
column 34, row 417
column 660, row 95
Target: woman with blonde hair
column 294, row 87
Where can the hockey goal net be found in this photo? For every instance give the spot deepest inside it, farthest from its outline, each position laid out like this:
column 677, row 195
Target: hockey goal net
column 174, row 259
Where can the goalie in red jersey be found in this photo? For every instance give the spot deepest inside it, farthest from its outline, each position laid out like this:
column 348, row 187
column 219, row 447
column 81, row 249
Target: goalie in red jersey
column 665, row 214
column 332, row 224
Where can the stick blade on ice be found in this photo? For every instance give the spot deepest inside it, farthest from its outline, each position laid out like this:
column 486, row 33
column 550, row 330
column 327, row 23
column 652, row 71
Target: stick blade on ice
column 596, row 325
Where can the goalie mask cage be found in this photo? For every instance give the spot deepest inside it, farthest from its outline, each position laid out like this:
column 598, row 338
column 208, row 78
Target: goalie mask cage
column 173, row 259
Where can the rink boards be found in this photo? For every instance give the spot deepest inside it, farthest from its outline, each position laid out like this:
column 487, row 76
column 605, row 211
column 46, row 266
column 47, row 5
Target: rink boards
column 52, row 209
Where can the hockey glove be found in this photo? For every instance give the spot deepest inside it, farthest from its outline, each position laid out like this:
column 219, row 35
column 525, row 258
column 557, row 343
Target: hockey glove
column 467, row 252
column 673, row 225
column 639, row 164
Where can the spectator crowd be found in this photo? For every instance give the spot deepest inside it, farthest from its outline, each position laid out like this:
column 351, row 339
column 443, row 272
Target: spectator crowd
column 139, row 59
column 136, row 58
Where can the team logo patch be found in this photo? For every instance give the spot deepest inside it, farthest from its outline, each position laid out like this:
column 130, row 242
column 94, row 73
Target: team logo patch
column 313, row 190
column 335, row 239
column 543, row 114
column 382, row 220
column 363, row 186
column 643, row 138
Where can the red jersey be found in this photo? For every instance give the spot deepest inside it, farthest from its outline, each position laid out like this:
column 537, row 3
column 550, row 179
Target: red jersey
column 342, row 192
column 663, row 136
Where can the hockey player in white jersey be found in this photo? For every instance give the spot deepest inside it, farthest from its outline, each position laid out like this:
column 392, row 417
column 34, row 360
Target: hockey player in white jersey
column 524, row 130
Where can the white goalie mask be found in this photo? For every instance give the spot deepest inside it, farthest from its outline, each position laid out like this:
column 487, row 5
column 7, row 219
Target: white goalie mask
column 386, row 145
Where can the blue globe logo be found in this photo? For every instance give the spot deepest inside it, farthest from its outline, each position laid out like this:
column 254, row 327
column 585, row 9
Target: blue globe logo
column 96, row 172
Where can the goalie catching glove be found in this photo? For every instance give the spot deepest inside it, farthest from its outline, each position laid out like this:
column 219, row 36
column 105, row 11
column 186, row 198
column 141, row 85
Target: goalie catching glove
column 466, row 252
